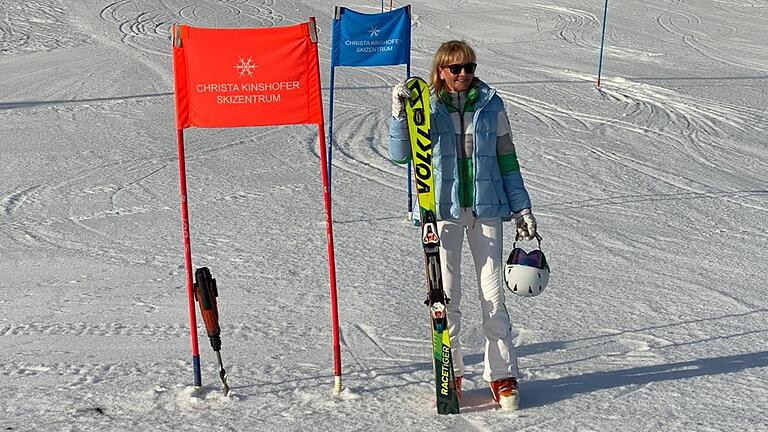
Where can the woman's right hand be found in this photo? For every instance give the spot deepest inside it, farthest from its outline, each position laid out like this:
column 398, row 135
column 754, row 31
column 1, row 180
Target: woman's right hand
column 399, row 94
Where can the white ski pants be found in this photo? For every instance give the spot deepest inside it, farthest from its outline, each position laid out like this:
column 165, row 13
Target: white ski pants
column 485, row 242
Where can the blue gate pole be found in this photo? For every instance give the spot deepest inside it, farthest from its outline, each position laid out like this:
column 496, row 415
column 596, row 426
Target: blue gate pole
column 602, row 44
column 408, row 165
column 330, row 131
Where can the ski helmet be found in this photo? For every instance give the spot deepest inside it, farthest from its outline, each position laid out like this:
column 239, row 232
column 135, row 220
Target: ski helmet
column 526, row 273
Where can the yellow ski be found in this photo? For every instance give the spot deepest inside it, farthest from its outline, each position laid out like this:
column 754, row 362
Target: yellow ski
column 417, row 114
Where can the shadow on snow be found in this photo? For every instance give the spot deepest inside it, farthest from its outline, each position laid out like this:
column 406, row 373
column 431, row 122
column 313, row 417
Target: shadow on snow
column 544, row 392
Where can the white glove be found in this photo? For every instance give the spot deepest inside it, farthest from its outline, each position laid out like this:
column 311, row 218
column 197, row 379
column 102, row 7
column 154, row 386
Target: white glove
column 399, row 94
column 526, row 224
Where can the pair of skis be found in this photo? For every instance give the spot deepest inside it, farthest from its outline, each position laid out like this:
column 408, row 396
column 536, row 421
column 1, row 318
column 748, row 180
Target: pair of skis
column 417, row 115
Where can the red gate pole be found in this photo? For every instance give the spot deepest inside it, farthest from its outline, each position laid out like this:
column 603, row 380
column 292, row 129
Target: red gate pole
column 331, row 263
column 188, row 257
column 329, row 233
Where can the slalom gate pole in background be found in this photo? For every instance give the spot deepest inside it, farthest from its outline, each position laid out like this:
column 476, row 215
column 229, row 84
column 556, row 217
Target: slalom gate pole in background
column 188, row 258
column 365, row 40
column 602, row 45
column 218, row 83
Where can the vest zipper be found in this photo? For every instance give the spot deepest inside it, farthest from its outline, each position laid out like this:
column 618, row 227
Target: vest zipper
column 462, row 138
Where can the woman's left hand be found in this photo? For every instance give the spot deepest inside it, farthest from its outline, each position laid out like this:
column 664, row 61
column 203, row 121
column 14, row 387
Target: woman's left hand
column 526, row 224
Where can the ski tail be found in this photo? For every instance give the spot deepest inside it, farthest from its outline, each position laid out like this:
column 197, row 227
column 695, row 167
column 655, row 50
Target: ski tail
column 446, row 392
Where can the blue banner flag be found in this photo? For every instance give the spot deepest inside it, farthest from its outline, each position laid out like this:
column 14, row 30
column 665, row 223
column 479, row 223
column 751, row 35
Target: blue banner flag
column 380, row 39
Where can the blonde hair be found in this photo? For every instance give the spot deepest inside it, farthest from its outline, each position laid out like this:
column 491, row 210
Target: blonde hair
column 459, row 51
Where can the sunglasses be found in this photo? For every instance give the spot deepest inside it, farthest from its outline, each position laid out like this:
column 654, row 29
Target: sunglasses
column 456, row 68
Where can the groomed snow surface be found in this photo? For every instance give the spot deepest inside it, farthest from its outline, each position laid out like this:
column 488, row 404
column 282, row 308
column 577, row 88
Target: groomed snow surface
column 651, row 197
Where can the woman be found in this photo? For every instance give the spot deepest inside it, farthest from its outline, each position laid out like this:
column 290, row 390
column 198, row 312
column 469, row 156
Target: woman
column 477, row 186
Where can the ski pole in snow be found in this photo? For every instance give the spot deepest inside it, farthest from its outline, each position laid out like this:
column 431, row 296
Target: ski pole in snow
column 206, row 293
column 602, row 44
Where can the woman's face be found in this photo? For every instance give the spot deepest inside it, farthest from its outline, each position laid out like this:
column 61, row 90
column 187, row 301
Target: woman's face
column 457, row 82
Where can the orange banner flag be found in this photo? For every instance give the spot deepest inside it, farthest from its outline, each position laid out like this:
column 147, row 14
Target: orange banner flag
column 246, row 77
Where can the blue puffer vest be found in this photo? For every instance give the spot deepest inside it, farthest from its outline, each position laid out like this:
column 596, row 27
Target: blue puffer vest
column 495, row 195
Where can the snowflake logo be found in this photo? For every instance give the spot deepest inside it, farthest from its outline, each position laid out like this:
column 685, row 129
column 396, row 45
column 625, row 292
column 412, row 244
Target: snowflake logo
column 374, row 31
column 245, row 67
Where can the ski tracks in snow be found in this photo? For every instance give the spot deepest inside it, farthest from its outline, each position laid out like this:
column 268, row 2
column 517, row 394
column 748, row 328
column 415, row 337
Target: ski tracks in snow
column 145, row 26
column 377, row 355
column 711, row 36
column 700, row 129
column 85, row 211
column 359, row 147
column 583, row 29
column 33, row 26
column 715, row 39
column 46, row 216
column 83, row 375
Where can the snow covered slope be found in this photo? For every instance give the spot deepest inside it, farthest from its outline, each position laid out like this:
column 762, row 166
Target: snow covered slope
column 651, row 197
